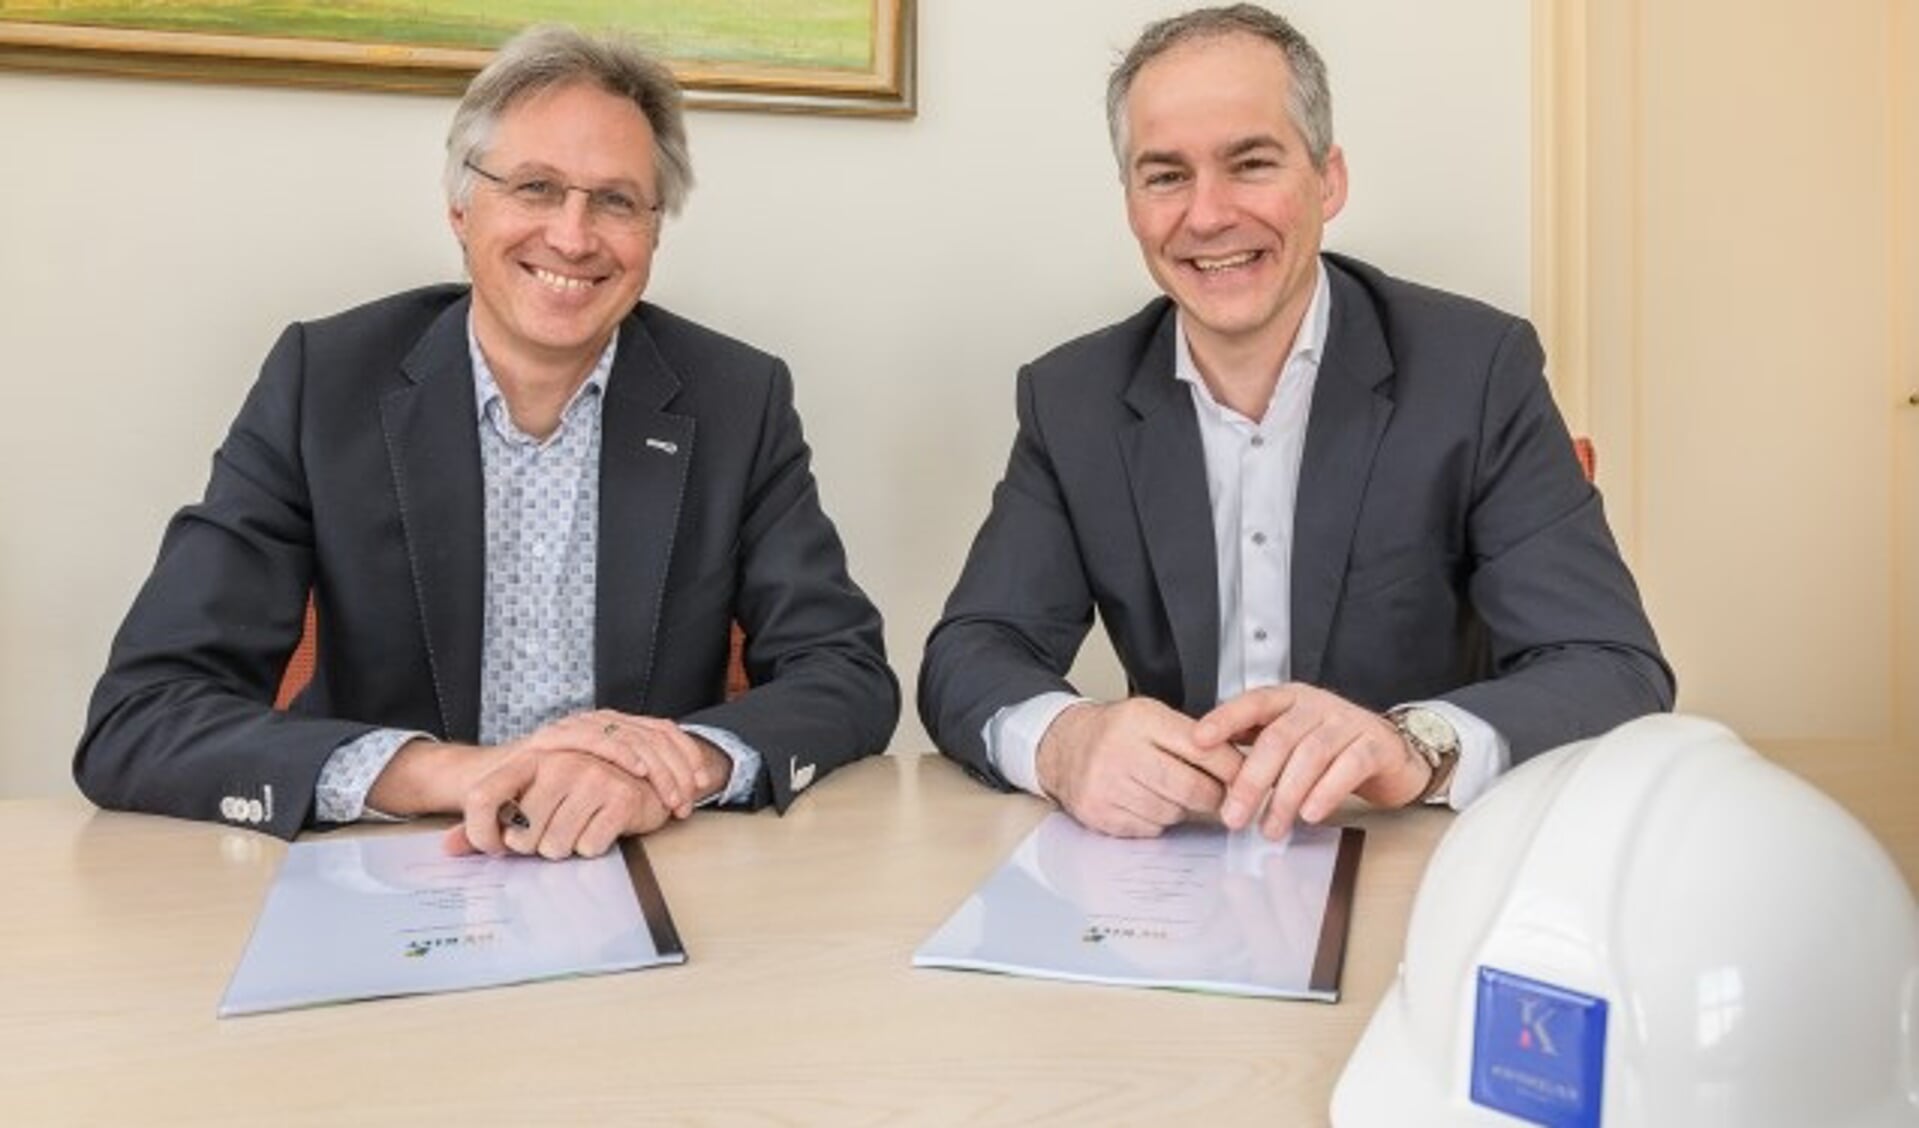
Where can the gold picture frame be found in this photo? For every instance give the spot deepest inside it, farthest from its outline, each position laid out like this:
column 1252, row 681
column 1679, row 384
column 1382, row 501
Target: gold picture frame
column 850, row 57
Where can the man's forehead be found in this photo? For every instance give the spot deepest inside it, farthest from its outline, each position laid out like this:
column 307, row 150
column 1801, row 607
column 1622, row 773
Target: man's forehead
column 596, row 124
column 1236, row 146
column 1231, row 57
column 1201, row 81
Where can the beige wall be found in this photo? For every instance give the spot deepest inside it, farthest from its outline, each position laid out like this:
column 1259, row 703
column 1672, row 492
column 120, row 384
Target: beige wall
column 1738, row 332
column 155, row 237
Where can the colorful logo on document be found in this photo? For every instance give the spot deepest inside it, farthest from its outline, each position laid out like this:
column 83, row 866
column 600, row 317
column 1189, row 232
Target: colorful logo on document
column 425, row 946
column 1539, row 1050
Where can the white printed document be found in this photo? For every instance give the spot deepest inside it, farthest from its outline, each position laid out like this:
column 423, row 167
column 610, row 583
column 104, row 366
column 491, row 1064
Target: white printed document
column 382, row 915
column 1200, row 908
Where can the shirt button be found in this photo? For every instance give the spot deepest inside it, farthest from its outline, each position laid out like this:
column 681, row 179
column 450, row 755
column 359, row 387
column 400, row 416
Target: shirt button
column 539, row 548
column 1259, row 634
column 1259, row 440
column 1259, row 538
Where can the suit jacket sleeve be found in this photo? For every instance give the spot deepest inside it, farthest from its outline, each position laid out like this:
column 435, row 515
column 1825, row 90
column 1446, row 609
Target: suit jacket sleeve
column 1572, row 653
column 183, row 717
column 1020, row 610
column 822, row 693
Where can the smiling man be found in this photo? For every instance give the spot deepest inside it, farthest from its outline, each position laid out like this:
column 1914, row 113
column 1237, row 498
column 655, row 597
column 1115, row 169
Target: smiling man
column 527, row 513
column 1331, row 520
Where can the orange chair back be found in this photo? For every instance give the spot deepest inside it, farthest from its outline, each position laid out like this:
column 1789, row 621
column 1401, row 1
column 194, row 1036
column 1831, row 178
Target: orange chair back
column 299, row 669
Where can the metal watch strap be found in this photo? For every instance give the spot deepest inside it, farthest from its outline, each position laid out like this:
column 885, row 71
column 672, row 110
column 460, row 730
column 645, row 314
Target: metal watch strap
column 1440, row 759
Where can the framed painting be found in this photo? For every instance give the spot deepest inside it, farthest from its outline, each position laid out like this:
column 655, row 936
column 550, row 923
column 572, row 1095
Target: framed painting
column 820, row 56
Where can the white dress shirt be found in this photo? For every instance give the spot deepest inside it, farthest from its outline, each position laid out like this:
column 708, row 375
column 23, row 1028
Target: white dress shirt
column 1252, row 482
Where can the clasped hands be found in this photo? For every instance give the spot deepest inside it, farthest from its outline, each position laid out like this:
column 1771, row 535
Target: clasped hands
column 578, row 784
column 1133, row 768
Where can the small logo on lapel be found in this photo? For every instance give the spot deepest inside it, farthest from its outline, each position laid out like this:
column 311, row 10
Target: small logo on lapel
column 663, row 446
column 798, row 775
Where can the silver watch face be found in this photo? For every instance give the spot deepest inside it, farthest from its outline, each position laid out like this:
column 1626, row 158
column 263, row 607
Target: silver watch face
column 1431, row 730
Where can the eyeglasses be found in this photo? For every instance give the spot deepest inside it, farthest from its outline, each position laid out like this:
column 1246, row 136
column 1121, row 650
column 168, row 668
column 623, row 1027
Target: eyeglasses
column 542, row 194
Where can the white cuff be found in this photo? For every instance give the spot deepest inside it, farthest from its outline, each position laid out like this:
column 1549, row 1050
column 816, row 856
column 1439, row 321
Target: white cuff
column 349, row 773
column 746, row 765
column 1012, row 737
column 1483, row 753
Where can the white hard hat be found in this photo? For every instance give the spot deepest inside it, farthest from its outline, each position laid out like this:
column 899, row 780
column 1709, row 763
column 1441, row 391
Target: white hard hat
column 1657, row 927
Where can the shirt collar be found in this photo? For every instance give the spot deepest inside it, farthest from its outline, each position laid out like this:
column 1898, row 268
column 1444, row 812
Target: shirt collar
column 486, row 390
column 1309, row 344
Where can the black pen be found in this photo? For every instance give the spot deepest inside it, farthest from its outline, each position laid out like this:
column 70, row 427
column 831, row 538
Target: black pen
column 511, row 815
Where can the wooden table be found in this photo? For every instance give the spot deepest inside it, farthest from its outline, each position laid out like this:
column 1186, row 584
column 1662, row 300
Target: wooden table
column 797, row 1004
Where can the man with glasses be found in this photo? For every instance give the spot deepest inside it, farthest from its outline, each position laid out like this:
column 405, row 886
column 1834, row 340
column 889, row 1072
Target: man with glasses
column 526, row 512
column 1331, row 520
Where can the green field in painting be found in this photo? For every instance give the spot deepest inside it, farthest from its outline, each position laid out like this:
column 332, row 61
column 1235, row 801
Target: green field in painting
column 804, row 33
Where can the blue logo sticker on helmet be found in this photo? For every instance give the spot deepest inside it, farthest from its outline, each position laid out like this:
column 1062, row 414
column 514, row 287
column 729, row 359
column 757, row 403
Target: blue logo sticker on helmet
column 1539, row 1051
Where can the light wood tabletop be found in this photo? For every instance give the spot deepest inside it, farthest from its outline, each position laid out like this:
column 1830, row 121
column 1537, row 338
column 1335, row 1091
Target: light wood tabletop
column 797, row 1003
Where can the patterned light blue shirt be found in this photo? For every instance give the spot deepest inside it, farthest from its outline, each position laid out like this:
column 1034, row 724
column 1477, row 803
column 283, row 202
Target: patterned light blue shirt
column 542, row 557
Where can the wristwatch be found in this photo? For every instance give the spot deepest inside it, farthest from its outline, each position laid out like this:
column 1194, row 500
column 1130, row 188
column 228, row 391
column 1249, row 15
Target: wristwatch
column 1432, row 739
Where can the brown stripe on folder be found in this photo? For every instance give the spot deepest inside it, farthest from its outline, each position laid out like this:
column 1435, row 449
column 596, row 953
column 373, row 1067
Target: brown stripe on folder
column 666, row 938
column 1333, row 927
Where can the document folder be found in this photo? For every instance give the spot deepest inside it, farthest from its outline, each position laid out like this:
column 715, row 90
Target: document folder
column 384, row 915
column 1199, row 908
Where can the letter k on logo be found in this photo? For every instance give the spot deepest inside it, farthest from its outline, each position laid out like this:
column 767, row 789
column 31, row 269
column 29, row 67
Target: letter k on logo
column 1534, row 1032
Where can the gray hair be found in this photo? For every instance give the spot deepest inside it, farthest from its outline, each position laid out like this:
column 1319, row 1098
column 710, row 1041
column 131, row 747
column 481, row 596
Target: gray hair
column 551, row 55
column 1309, row 100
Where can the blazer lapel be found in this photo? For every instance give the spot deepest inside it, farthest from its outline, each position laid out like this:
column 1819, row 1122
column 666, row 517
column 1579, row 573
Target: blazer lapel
column 430, row 425
column 1348, row 418
column 1166, row 470
column 644, row 455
